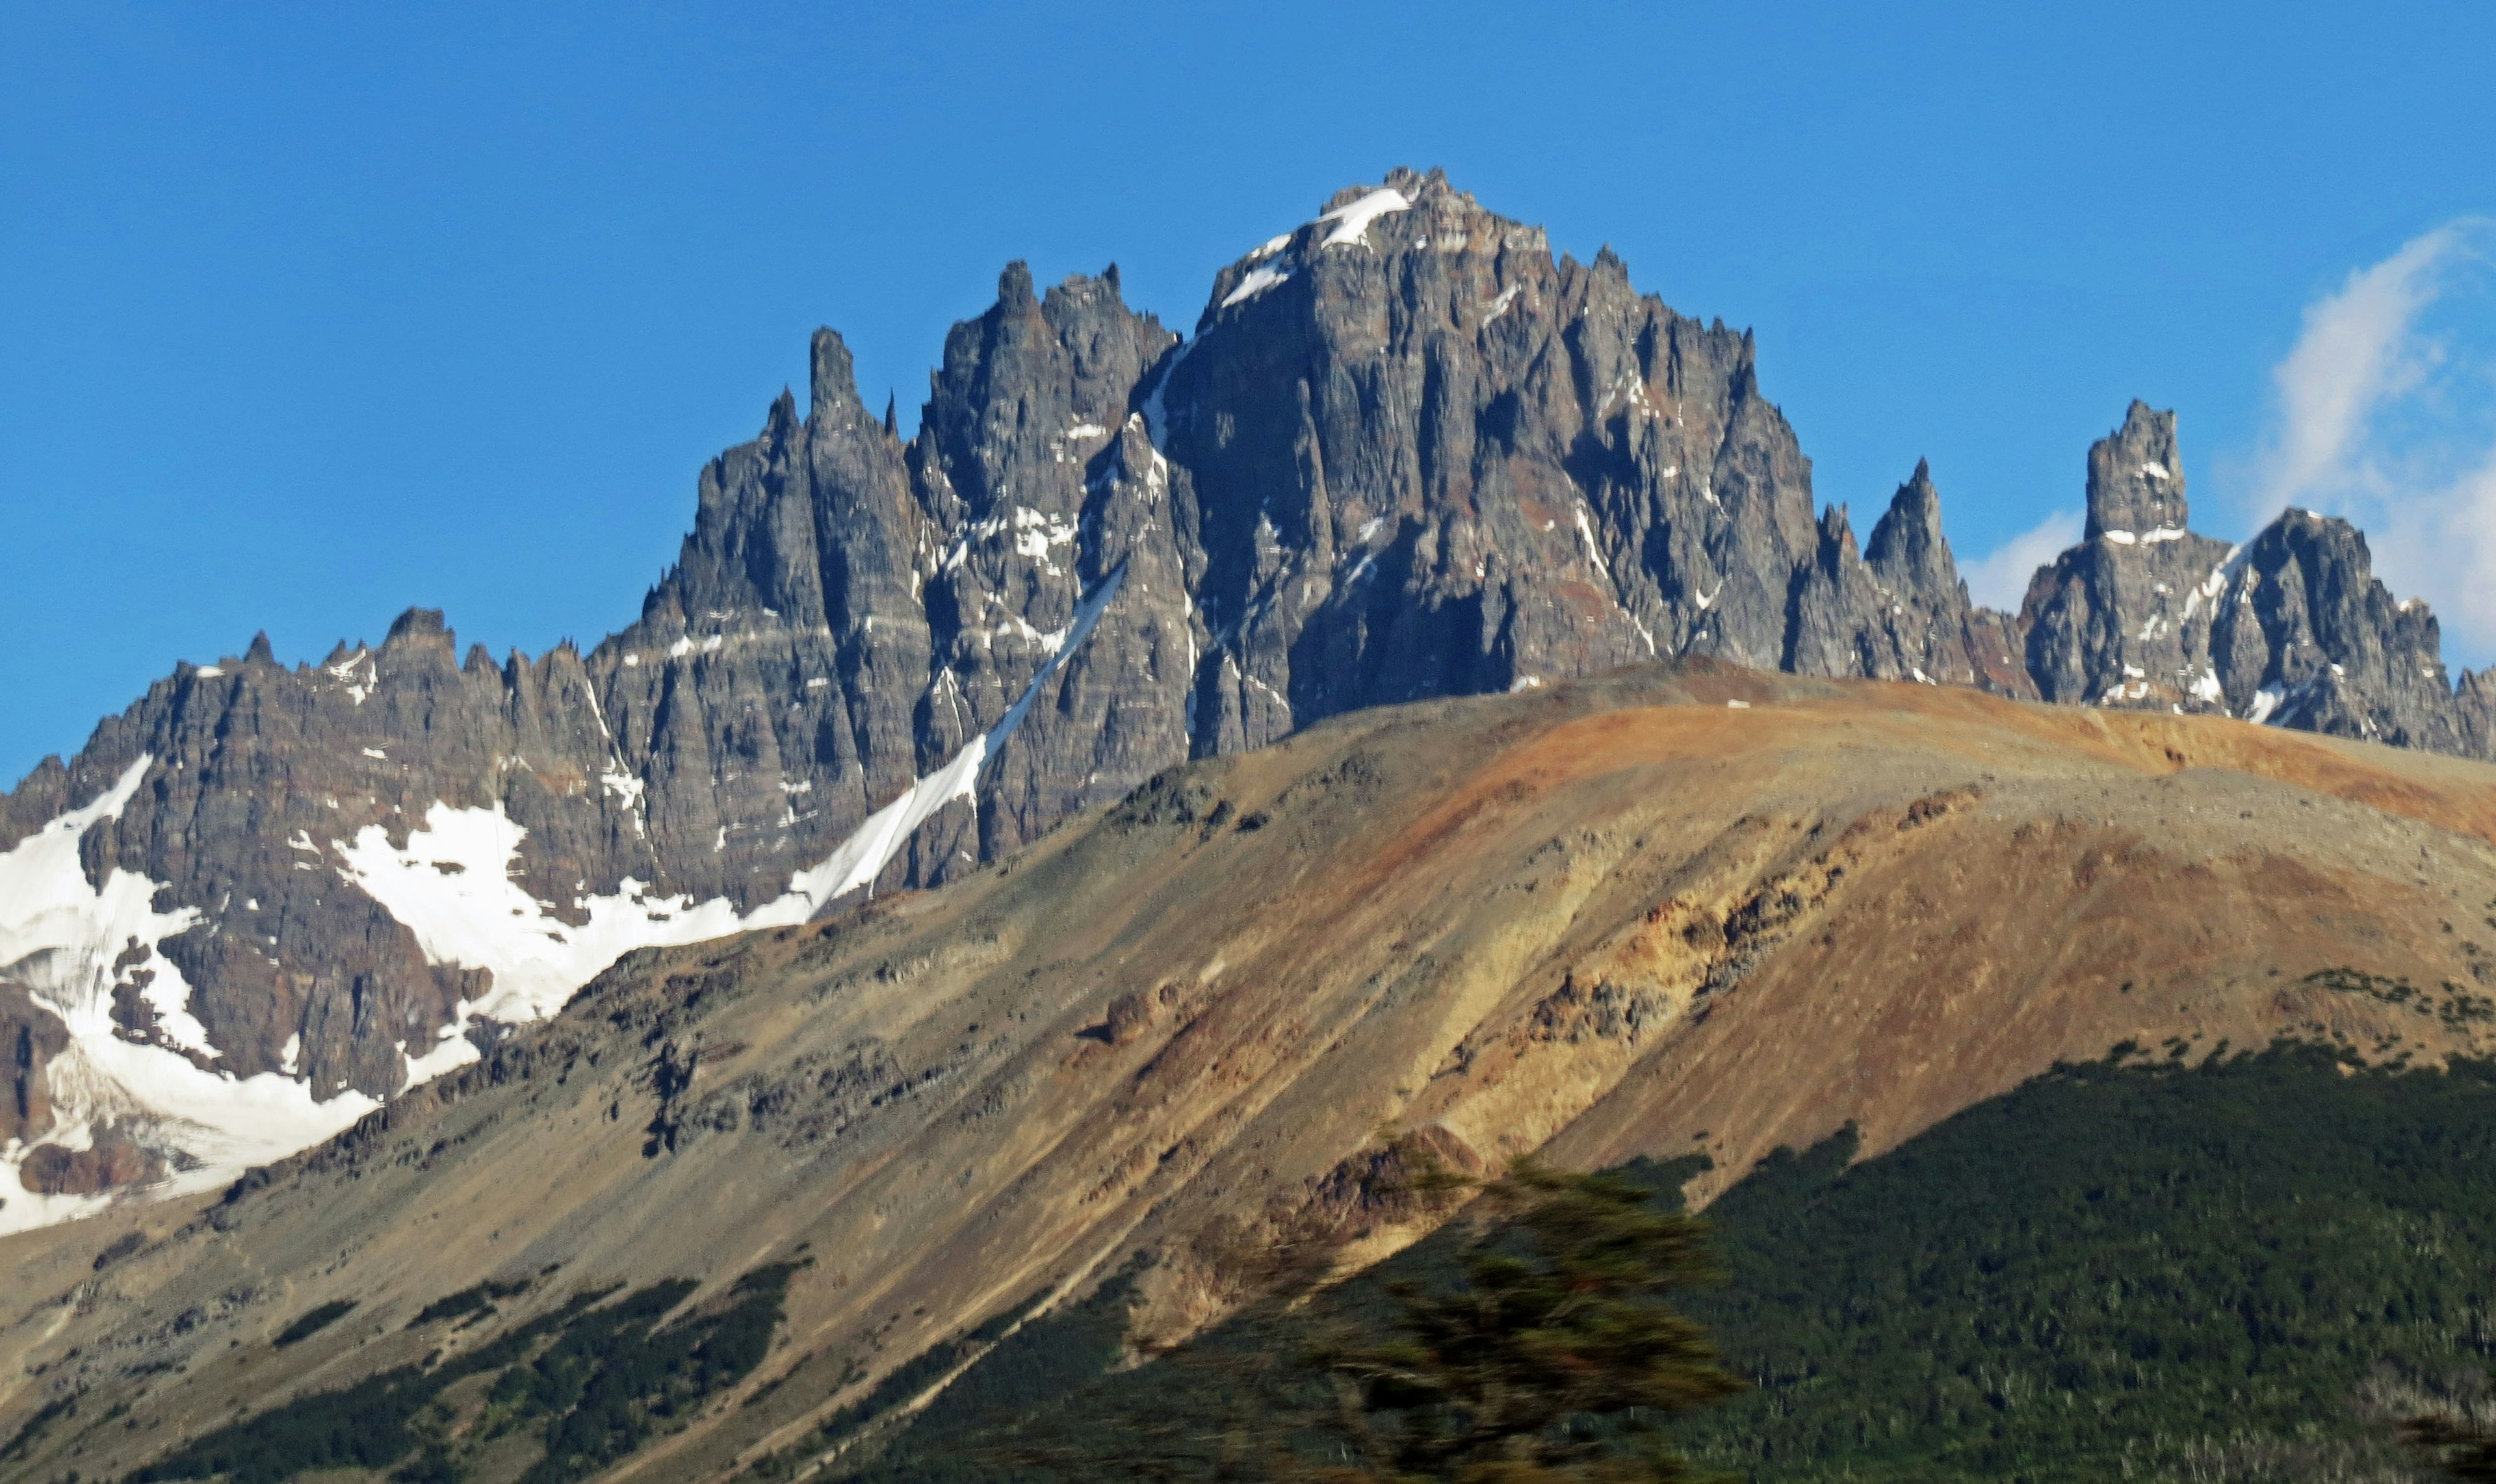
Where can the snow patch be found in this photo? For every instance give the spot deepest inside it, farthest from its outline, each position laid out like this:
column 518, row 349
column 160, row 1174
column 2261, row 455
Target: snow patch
column 623, row 786
column 1156, row 417
column 475, row 915
column 862, row 857
column 2216, row 582
column 64, row 939
column 1594, row 551
column 356, row 672
column 1259, row 280
column 1352, row 222
column 451, row 887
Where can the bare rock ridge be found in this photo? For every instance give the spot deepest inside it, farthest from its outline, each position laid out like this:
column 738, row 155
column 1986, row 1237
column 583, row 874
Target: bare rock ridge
column 2291, row 627
column 1406, row 453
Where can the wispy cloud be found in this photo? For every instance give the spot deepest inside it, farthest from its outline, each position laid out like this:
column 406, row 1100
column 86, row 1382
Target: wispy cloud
column 1998, row 580
column 2386, row 414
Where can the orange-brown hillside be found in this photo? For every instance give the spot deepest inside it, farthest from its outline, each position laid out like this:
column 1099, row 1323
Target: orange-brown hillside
column 1706, row 908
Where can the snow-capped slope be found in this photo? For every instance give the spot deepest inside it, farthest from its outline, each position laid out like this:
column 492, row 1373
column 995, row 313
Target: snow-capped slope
column 71, row 944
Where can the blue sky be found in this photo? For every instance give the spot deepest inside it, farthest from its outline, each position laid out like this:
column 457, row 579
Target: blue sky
column 313, row 313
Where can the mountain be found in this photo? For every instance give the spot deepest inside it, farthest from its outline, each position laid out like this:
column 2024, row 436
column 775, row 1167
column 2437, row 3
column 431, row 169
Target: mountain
column 1679, row 909
column 1405, row 453
column 2289, row 628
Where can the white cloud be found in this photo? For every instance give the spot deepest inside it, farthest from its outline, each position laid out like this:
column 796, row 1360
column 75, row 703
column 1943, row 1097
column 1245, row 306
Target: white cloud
column 2386, row 413
column 1998, row 580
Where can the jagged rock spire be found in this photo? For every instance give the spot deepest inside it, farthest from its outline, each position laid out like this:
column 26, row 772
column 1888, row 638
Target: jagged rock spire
column 1908, row 550
column 2137, row 479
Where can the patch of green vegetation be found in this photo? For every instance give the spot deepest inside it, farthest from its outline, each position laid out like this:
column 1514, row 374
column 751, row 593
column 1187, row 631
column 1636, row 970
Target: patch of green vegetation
column 2114, row 1271
column 903, row 1382
column 2110, row 1272
column 595, row 1377
column 469, row 1301
column 1061, row 1399
column 45, row 1416
column 313, row 1321
column 1003, row 1378
column 2453, row 1005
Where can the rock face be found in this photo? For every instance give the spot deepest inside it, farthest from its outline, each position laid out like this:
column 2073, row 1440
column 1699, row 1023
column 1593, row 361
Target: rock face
column 2125, row 617
column 2289, row 628
column 1406, row 453
column 1901, row 612
column 1429, row 459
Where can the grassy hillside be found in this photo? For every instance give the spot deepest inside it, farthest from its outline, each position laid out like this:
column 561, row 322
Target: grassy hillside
column 2116, row 1271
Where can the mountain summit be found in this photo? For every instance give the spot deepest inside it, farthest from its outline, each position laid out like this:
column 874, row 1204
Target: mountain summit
column 1406, row 453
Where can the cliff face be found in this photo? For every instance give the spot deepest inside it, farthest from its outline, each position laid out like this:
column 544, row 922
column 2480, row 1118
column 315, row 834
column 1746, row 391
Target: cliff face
column 2289, row 628
column 1406, row 453
column 1430, row 460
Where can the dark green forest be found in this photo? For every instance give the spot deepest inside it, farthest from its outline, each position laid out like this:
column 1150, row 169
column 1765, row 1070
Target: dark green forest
column 2112, row 1270
column 591, row 1381
column 2141, row 1270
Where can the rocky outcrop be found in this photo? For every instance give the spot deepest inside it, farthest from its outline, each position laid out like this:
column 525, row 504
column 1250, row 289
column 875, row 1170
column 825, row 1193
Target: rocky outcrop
column 30, row 1036
column 1431, row 459
column 2125, row 617
column 1899, row 612
column 2289, row 628
column 1406, row 452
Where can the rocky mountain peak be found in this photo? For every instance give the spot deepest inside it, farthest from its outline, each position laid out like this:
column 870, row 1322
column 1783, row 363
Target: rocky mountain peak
column 1837, row 537
column 418, row 629
column 1908, row 551
column 2136, row 487
column 832, row 379
column 2289, row 628
column 1015, row 295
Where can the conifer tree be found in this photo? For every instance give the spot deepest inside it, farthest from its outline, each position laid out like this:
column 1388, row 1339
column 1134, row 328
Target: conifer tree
column 1553, row 1358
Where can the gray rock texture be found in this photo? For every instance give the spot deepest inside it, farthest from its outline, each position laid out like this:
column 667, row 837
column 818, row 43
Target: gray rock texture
column 2289, row 628
column 2125, row 617
column 1899, row 611
column 1406, row 452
